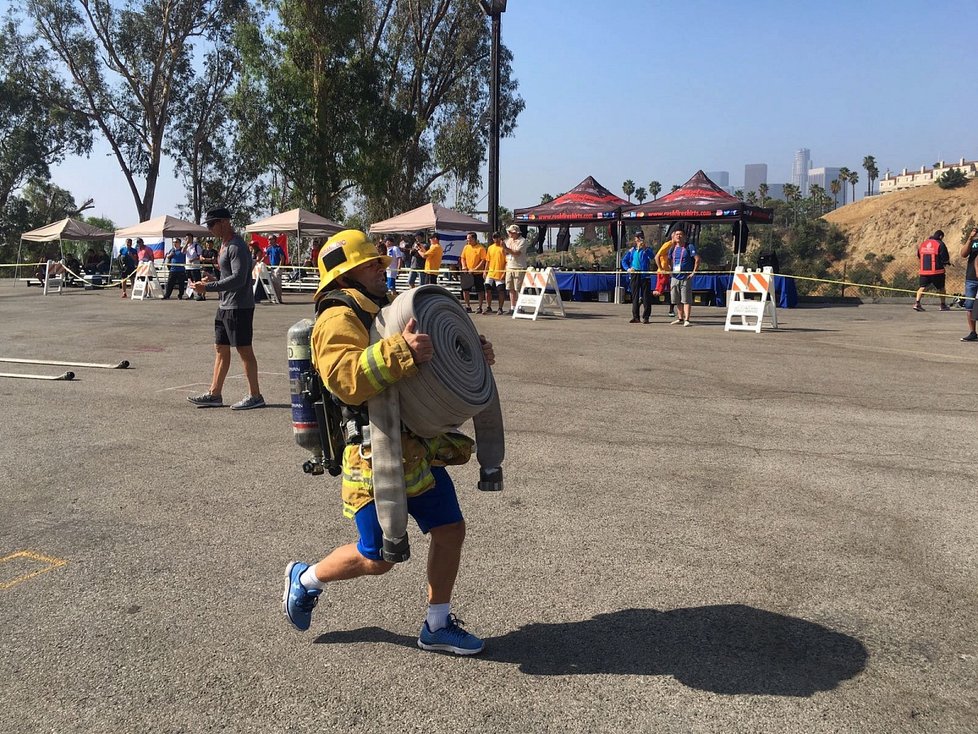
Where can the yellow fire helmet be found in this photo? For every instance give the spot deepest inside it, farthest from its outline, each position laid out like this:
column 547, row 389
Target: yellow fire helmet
column 343, row 252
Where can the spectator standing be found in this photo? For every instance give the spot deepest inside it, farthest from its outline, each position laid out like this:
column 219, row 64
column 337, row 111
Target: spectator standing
column 234, row 322
column 415, row 259
column 432, row 255
column 970, row 252
column 685, row 261
column 396, row 255
column 127, row 266
column 176, row 262
column 663, row 262
column 208, row 259
column 640, row 282
column 515, row 247
column 473, row 263
column 193, row 251
column 274, row 253
column 934, row 257
column 495, row 273
column 144, row 254
column 355, row 370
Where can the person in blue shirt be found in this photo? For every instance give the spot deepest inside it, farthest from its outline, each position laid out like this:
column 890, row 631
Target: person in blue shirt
column 638, row 263
column 176, row 261
column 127, row 266
column 685, row 261
column 275, row 253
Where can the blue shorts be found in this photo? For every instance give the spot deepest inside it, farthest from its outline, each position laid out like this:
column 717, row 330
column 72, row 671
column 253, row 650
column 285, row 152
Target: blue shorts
column 970, row 291
column 434, row 508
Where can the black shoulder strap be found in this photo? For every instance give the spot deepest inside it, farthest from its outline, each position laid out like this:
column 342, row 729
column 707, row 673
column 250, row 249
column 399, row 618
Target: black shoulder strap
column 339, row 298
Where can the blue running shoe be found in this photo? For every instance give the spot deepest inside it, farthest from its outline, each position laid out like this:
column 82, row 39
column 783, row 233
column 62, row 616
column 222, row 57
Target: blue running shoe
column 450, row 639
column 298, row 601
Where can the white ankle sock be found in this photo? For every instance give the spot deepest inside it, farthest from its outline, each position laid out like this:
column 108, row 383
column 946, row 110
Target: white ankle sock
column 438, row 616
column 309, row 579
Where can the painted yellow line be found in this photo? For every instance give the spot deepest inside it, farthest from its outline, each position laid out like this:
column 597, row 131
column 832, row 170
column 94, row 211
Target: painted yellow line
column 52, row 563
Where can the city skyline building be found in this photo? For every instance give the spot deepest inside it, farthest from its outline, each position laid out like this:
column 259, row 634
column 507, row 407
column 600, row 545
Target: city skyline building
column 823, row 177
column 755, row 174
column 720, row 178
column 800, row 170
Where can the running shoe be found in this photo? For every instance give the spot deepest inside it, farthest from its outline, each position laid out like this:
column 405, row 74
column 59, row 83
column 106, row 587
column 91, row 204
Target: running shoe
column 918, row 307
column 249, row 402
column 687, row 323
column 945, row 307
column 298, row 601
column 450, row 639
column 972, row 337
column 206, row 400
column 635, row 321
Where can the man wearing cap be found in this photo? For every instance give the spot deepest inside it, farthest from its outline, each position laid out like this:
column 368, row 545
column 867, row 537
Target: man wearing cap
column 639, row 267
column 352, row 290
column 235, row 314
column 515, row 247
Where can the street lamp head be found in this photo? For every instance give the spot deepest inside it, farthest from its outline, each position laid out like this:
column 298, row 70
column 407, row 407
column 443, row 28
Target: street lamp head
column 493, row 7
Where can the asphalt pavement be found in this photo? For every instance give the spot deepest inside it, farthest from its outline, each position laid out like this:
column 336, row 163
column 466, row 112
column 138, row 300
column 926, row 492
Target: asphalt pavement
column 700, row 532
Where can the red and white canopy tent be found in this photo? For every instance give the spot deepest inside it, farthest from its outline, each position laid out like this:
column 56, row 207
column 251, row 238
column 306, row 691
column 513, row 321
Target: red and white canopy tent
column 697, row 201
column 298, row 222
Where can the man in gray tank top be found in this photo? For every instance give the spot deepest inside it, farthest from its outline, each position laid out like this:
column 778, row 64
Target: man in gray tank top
column 235, row 314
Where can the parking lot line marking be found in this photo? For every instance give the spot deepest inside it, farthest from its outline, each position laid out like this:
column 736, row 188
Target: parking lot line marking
column 52, row 563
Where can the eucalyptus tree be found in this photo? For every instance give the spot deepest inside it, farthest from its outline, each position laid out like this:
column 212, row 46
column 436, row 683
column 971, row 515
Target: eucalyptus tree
column 124, row 68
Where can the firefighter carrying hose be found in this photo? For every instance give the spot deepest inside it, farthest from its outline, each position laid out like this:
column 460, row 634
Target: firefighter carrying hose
column 352, row 290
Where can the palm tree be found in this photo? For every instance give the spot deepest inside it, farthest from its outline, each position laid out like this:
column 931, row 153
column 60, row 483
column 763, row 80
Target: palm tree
column 844, row 178
column 762, row 189
column 835, row 187
column 739, row 193
column 628, row 188
column 641, row 194
column 546, row 199
column 817, row 196
column 872, row 173
column 853, row 179
column 751, row 197
column 654, row 188
column 792, row 193
column 674, row 187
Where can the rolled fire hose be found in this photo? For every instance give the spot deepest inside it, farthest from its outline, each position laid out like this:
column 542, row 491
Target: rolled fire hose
column 456, row 385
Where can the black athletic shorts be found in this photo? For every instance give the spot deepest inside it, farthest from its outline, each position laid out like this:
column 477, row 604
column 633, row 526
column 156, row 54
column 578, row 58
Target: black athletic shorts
column 472, row 281
column 935, row 280
column 233, row 327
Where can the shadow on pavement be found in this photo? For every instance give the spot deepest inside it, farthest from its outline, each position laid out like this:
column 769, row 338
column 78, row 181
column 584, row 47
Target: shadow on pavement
column 727, row 649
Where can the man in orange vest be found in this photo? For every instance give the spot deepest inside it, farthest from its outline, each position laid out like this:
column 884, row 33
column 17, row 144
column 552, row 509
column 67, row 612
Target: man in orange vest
column 933, row 256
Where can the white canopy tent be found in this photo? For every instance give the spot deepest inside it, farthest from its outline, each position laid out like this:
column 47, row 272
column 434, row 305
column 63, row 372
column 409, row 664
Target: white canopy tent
column 65, row 229
column 160, row 227
column 430, row 217
column 299, row 222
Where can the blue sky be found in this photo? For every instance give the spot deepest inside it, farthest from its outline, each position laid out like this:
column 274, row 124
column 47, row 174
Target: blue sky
column 656, row 89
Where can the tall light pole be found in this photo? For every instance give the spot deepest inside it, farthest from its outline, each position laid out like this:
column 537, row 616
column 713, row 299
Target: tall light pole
column 494, row 9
